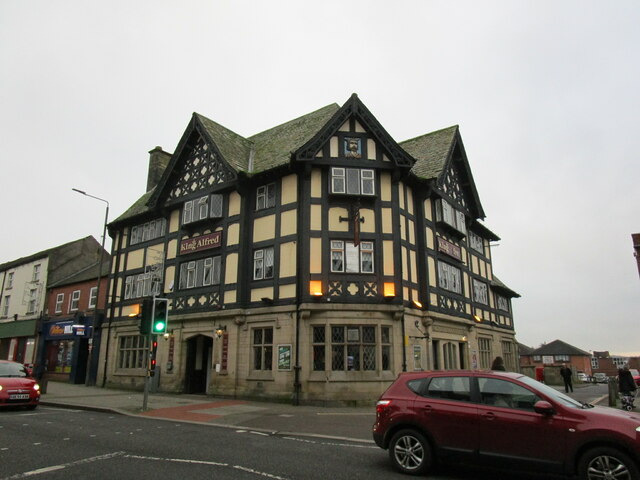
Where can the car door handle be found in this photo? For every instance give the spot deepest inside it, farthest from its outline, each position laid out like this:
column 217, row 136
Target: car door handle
column 489, row 415
column 427, row 408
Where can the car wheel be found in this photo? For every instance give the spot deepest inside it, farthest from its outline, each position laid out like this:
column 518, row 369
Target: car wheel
column 604, row 462
column 410, row 452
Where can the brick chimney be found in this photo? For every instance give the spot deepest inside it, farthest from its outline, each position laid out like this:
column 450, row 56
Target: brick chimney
column 158, row 161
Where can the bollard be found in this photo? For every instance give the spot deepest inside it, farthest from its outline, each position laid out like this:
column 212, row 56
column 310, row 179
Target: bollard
column 613, row 391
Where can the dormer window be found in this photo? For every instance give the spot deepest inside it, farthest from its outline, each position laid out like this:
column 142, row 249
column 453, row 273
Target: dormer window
column 445, row 213
column 353, row 181
column 266, row 196
column 476, row 242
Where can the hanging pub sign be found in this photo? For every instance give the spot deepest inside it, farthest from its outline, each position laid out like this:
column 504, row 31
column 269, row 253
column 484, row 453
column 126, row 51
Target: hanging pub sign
column 203, row 242
column 449, row 249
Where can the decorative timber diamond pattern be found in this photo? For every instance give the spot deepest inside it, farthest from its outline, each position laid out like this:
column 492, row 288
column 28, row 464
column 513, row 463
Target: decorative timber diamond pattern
column 202, row 169
column 203, row 301
column 453, row 187
column 451, row 304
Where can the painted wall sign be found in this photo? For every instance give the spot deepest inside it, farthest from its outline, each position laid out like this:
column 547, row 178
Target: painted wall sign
column 225, row 352
column 204, row 242
column 449, row 249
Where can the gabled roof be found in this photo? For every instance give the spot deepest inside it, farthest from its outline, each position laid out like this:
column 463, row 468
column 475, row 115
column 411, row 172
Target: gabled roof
column 524, row 349
column 558, row 347
column 435, row 154
column 64, row 260
column 496, row 284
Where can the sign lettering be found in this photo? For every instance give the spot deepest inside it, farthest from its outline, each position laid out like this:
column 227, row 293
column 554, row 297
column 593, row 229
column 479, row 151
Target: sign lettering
column 204, row 242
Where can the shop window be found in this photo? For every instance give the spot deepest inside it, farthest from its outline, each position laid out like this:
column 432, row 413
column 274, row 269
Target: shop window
column 133, row 351
column 354, row 348
column 263, row 348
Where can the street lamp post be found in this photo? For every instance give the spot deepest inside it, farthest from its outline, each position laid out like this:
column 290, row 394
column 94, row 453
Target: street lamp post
column 89, row 380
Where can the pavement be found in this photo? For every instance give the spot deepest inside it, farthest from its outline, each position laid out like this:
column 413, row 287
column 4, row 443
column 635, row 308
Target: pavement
column 338, row 423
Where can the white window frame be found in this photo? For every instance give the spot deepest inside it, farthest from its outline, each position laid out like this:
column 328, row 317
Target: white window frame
column 59, row 302
column 449, row 277
column 93, row 297
column 263, row 263
column 74, row 301
column 200, row 273
column 36, row 273
column 353, row 259
column 365, row 181
column 446, row 213
column 266, row 196
column 5, row 306
column 480, row 292
column 31, row 306
column 10, row 280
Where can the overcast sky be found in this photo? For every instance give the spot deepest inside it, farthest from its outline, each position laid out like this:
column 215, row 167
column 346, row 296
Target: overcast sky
column 545, row 93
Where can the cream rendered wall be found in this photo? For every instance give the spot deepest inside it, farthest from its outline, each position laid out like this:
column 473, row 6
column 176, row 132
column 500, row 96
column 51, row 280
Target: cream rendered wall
column 289, row 192
column 288, row 260
column 412, row 233
column 135, row 259
column 387, row 221
column 427, row 210
column 410, row 200
column 235, row 202
column 405, row 269
column 401, row 194
column 369, row 225
column 288, row 223
column 264, row 228
column 172, row 249
column 233, row 234
column 287, row 291
column 333, row 147
column 432, row 271
column 174, row 221
column 316, row 183
column 259, row 293
column 316, row 217
column 334, row 219
column 387, row 251
column 371, row 149
column 231, row 268
column 385, row 187
column 315, row 255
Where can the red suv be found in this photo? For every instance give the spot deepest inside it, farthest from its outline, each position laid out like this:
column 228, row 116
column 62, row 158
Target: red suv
column 504, row 420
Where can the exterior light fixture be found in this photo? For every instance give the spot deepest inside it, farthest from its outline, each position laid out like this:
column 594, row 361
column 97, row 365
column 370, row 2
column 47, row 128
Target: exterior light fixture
column 389, row 290
column 417, row 304
column 315, row 288
column 220, row 330
column 477, row 318
column 136, row 310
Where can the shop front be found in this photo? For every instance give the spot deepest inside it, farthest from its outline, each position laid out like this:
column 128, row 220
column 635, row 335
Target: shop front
column 63, row 351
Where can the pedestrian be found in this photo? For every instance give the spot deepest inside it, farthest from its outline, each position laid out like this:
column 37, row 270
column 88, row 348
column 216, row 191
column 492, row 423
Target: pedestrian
column 566, row 373
column 498, row 364
column 626, row 385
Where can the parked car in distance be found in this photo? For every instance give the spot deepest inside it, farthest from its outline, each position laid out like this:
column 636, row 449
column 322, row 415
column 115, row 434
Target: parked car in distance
column 583, row 377
column 17, row 387
column 636, row 375
column 504, row 420
column 600, row 377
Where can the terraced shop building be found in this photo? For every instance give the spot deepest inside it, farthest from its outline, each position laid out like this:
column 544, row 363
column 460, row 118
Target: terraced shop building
column 311, row 262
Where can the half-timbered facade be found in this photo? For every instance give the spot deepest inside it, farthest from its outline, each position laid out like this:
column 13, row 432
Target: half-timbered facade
column 313, row 261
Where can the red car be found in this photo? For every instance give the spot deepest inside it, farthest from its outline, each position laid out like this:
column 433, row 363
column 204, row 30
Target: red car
column 503, row 420
column 636, row 376
column 17, row 387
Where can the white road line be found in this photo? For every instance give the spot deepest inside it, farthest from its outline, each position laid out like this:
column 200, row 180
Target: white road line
column 52, row 468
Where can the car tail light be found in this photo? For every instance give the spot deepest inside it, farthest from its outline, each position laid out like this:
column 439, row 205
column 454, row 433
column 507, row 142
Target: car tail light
column 382, row 405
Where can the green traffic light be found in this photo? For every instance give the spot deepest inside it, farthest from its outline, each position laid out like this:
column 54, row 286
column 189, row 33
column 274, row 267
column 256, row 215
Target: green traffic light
column 158, row 326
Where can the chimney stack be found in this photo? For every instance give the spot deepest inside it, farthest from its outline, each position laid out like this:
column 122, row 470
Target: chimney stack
column 158, row 161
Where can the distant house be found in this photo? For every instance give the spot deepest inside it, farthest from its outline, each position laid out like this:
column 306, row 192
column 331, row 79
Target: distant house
column 609, row 364
column 555, row 354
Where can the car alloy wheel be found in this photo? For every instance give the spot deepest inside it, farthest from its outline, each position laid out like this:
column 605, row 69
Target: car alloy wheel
column 606, row 464
column 410, row 452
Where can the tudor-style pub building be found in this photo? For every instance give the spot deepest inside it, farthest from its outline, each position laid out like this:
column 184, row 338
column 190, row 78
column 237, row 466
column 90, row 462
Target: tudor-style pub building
column 311, row 262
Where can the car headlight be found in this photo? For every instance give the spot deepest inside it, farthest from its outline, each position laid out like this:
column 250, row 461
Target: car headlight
column 0, row 388
column 36, row 387
column 638, row 429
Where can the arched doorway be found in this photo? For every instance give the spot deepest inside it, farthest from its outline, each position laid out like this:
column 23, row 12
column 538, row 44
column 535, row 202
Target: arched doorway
column 198, row 366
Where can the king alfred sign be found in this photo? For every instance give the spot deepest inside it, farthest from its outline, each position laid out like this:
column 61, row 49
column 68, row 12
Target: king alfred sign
column 204, row 242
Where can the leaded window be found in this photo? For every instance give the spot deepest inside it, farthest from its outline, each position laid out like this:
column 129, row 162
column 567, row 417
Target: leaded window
column 449, row 277
column 480, row 292
column 484, row 349
column 262, row 348
column 476, row 242
column 353, row 181
column 200, row 273
column 266, row 196
column 133, row 351
column 353, row 348
column 350, row 258
column 263, row 262
column 503, row 303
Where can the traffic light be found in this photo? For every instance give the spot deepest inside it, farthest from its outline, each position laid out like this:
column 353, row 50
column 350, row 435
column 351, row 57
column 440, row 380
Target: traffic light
column 160, row 316
column 152, row 358
column 146, row 314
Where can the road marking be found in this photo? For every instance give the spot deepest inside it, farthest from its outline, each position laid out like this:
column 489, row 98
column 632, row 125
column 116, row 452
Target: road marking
column 62, row 466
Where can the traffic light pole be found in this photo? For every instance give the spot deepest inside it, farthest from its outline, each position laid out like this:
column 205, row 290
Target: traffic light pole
column 147, row 370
